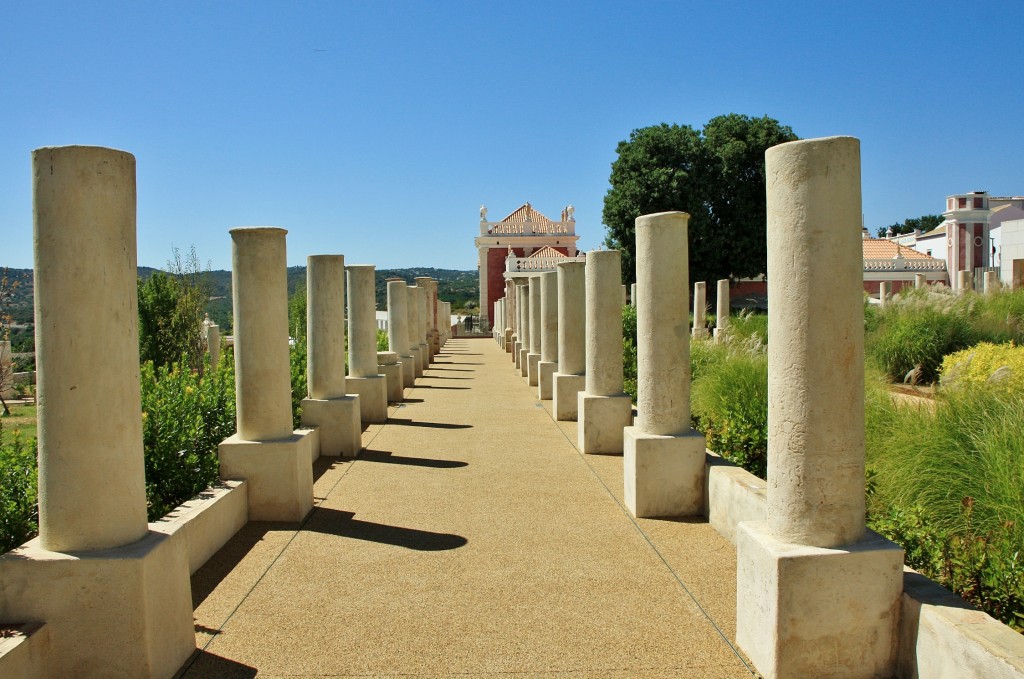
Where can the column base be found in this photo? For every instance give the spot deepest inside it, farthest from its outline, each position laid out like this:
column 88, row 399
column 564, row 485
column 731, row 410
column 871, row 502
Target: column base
column 721, row 334
column 425, row 355
column 393, row 375
column 507, row 341
column 122, row 612
column 565, row 399
column 516, row 346
column 663, row 475
column 532, row 360
column 408, row 363
column 546, row 379
column 341, row 431
column 700, row 333
column 373, row 397
column 524, row 366
column 601, row 421
column 814, row 612
column 279, row 473
column 417, row 361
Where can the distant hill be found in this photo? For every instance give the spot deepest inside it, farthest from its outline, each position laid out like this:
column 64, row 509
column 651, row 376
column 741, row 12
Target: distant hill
column 461, row 288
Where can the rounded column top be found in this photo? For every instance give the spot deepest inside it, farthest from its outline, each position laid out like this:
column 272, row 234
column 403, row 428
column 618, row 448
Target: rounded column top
column 240, row 231
column 325, row 258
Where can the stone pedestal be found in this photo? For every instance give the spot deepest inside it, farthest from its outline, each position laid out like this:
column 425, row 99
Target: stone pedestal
column 373, row 397
column 265, row 451
column 663, row 470
column 920, row 281
column 113, row 591
column 632, row 294
column 213, row 344
column 815, row 611
column 328, row 405
column 523, row 291
column 517, row 354
column 663, row 475
column 991, row 282
column 604, row 409
column 278, row 473
column 532, row 375
column 883, row 293
column 963, row 281
column 508, row 343
column 602, row 420
column 817, row 595
column 339, row 423
column 565, row 395
column 388, row 365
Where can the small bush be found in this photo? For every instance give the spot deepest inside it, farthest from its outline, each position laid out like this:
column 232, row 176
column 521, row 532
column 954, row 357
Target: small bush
column 299, row 383
column 19, row 512
column 906, row 338
column 998, row 366
column 382, row 340
column 730, row 405
column 629, row 351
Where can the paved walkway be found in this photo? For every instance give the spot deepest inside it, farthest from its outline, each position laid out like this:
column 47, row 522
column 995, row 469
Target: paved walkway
column 469, row 538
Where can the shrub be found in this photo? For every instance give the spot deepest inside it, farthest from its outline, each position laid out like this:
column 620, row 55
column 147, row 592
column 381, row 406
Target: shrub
column 922, row 335
column 185, row 416
column 730, row 405
column 382, row 340
column 299, row 382
column 998, row 366
column 19, row 513
column 629, row 351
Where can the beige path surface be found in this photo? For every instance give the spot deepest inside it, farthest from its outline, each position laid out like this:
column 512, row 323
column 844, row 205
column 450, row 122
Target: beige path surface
column 470, row 538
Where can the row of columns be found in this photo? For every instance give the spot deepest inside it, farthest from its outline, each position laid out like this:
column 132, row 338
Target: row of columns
column 817, row 593
column 126, row 609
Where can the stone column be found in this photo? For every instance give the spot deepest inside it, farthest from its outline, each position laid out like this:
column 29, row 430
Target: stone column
column 991, row 282
column 89, row 573
column 213, row 344
column 483, row 288
column 663, row 466
column 700, row 308
column 328, row 405
column 604, row 410
column 6, row 370
column 421, row 325
column 413, row 328
column 632, row 294
column 533, row 358
column 920, row 281
column 963, row 282
column 810, row 577
column 883, row 293
column 363, row 378
column 524, row 326
column 398, row 329
column 274, row 460
column 625, row 295
column 570, row 379
column 548, row 365
column 430, row 313
column 722, row 313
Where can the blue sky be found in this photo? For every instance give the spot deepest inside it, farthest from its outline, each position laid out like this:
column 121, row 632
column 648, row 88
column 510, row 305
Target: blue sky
column 377, row 129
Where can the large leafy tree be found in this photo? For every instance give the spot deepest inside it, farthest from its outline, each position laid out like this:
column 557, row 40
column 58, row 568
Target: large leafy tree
column 716, row 175
column 171, row 314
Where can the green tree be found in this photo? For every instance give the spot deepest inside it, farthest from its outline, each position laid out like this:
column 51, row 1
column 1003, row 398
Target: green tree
column 297, row 312
column 716, row 175
column 171, row 314
column 925, row 223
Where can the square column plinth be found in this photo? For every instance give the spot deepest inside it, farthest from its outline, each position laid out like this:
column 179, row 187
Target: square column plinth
column 408, row 363
column 507, row 343
column 566, row 390
column 517, row 348
column 532, row 360
column 279, row 473
column 393, row 374
column 373, row 397
column 546, row 380
column 420, row 360
column 601, row 421
column 524, row 363
column 341, row 429
column 814, row 612
column 122, row 612
column 663, row 475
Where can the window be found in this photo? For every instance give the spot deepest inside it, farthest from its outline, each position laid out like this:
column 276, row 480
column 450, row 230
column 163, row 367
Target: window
column 979, row 203
column 961, row 202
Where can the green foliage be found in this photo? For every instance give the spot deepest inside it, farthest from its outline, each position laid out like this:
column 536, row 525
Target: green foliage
column 297, row 312
column 925, row 223
column 19, row 513
column 730, row 405
column 299, row 384
column 629, row 350
column 185, row 416
column 382, row 340
column 908, row 335
column 171, row 314
column 716, row 175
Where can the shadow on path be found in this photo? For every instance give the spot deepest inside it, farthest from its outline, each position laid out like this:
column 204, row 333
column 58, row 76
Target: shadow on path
column 438, row 386
column 390, row 458
column 206, row 664
column 342, row 524
column 432, row 425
